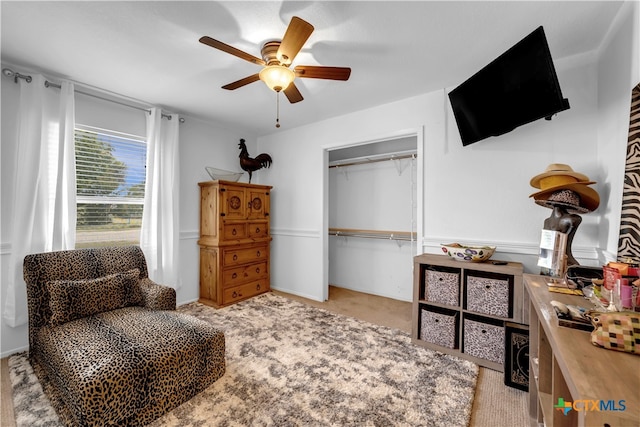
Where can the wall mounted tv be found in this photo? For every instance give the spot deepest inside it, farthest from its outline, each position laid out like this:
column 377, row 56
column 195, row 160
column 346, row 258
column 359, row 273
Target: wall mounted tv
column 518, row 87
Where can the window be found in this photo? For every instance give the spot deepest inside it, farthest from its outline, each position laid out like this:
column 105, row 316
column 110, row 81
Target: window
column 110, row 179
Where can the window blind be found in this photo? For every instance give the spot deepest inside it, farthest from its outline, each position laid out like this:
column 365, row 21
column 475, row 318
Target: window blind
column 110, row 180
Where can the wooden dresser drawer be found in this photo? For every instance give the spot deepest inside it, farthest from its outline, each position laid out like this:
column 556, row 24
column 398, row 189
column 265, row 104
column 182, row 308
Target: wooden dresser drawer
column 234, row 231
column 247, row 290
column 245, row 255
column 236, row 275
column 258, row 229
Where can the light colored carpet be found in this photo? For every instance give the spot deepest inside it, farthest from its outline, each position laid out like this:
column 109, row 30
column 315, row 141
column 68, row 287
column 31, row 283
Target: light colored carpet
column 495, row 404
column 292, row 364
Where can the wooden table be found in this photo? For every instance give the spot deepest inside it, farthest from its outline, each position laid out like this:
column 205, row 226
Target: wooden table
column 565, row 365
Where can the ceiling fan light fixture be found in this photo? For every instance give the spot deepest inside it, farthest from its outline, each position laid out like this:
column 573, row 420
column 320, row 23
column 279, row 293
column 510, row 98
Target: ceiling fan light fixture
column 277, row 77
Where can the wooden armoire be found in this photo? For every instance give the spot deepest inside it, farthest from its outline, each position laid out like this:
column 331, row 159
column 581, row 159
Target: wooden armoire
column 234, row 241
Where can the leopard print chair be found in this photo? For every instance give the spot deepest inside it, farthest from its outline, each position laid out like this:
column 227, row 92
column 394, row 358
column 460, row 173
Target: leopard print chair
column 106, row 342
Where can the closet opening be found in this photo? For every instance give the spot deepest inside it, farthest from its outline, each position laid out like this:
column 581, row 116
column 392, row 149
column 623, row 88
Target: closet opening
column 372, row 202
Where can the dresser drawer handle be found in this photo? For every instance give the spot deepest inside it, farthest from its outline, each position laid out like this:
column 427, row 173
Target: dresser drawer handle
column 257, row 269
column 234, row 294
column 257, row 230
column 234, row 232
column 258, row 286
column 258, row 253
column 235, row 257
column 234, row 275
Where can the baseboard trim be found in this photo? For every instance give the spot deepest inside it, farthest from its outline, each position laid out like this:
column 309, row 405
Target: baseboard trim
column 13, row 351
column 296, row 293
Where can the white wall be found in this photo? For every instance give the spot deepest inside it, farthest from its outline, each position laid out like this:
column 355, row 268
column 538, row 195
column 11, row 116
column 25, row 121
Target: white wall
column 202, row 144
column 618, row 73
column 300, row 179
column 475, row 194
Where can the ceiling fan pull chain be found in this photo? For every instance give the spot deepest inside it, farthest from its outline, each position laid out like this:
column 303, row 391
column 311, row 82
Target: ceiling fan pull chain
column 278, row 109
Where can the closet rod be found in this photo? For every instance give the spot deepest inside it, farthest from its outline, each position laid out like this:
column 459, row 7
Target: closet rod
column 47, row 83
column 373, row 234
column 382, row 159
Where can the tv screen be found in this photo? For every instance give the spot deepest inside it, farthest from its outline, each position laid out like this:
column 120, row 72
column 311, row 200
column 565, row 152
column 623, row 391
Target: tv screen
column 518, row 87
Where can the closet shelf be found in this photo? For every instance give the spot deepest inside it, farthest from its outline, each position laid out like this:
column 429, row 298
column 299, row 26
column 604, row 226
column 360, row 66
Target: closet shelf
column 373, row 234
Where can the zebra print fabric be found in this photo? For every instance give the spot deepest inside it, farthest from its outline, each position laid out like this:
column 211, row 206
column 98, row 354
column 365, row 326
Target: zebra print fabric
column 629, row 241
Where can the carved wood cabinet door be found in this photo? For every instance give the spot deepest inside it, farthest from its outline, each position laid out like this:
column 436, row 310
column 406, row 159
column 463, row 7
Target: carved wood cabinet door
column 257, row 203
column 234, row 205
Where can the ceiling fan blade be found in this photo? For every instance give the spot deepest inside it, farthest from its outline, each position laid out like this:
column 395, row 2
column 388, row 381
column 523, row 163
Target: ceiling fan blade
column 242, row 82
column 293, row 94
column 320, row 72
column 230, row 49
column 294, row 38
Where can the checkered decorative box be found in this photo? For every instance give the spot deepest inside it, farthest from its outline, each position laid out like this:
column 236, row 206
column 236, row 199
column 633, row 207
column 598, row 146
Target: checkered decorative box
column 439, row 328
column 442, row 287
column 488, row 295
column 484, row 340
column 617, row 331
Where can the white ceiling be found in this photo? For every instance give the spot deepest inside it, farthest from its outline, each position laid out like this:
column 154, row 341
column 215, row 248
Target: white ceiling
column 149, row 51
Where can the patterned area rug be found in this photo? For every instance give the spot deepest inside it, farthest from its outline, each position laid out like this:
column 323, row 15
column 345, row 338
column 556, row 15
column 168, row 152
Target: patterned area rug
column 289, row 364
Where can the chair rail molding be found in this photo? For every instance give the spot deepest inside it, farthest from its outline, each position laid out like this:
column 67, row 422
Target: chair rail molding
column 521, row 248
column 189, row 235
column 5, row 248
column 296, row 232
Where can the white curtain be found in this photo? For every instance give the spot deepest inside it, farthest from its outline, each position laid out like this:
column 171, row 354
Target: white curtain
column 159, row 236
column 44, row 198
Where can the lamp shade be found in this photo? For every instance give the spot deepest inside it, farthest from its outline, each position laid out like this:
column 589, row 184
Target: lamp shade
column 277, row 77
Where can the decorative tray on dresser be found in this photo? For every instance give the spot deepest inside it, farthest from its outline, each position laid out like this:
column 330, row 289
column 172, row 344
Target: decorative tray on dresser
column 234, row 241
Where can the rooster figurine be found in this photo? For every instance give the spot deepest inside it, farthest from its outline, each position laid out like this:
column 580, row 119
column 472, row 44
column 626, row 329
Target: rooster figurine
column 250, row 164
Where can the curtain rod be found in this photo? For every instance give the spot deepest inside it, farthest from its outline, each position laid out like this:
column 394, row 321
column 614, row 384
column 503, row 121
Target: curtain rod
column 10, row 73
column 47, row 83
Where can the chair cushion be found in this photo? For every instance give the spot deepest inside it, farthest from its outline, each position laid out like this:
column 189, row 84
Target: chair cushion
column 74, row 299
column 97, row 374
column 128, row 366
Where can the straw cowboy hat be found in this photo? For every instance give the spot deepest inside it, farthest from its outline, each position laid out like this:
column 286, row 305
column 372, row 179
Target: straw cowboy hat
column 559, row 176
column 556, row 175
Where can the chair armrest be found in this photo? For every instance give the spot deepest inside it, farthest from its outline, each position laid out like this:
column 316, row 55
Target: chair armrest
column 158, row 297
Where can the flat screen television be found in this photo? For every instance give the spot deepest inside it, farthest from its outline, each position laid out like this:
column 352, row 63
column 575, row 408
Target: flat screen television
column 518, row 87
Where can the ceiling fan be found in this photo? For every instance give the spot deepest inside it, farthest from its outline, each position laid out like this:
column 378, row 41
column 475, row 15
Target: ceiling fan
column 277, row 56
